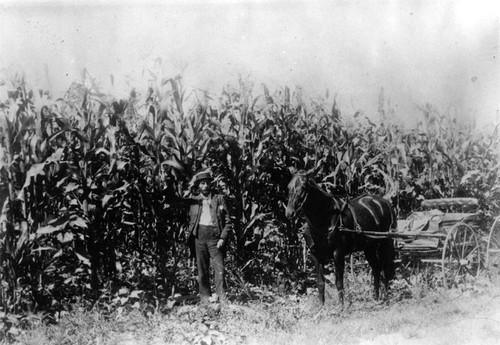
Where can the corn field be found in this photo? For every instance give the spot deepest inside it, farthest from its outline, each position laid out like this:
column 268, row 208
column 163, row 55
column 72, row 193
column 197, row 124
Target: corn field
column 86, row 182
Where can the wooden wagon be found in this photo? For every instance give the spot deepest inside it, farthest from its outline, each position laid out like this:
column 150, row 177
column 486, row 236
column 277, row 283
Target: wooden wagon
column 449, row 234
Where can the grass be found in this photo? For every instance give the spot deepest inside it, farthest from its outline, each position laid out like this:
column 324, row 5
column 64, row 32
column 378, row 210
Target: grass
column 411, row 314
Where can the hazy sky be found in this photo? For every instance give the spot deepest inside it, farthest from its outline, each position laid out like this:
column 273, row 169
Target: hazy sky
column 442, row 52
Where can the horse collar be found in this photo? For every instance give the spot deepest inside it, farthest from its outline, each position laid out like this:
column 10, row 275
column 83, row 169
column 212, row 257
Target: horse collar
column 305, row 195
column 340, row 222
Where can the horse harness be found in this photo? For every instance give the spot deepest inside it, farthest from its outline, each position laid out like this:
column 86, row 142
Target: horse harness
column 339, row 224
column 357, row 228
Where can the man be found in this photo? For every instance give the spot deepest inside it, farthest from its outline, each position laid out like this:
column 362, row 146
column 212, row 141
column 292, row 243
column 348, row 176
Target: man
column 209, row 225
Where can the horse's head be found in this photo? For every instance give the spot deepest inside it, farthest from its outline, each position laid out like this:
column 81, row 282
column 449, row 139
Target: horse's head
column 297, row 193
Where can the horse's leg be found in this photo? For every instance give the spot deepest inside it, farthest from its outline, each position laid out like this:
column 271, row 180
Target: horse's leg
column 386, row 255
column 320, row 278
column 371, row 257
column 339, row 262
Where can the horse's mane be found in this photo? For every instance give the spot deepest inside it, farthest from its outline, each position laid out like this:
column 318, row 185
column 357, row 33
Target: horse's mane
column 316, row 186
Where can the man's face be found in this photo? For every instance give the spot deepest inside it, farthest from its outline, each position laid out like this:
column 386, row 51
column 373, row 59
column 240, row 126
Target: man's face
column 204, row 186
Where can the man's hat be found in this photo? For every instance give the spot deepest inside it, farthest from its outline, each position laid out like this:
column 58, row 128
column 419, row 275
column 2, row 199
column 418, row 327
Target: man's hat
column 206, row 175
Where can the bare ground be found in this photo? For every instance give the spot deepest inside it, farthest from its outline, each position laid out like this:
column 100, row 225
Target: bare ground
column 465, row 315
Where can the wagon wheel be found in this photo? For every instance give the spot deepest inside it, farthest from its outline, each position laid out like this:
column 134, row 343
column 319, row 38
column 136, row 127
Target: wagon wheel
column 461, row 254
column 493, row 251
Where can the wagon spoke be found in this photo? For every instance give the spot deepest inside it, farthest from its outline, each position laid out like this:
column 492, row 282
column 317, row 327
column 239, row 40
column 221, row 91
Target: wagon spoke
column 460, row 254
column 493, row 251
column 464, row 242
column 456, row 247
column 454, row 269
column 455, row 251
column 475, row 250
column 468, row 270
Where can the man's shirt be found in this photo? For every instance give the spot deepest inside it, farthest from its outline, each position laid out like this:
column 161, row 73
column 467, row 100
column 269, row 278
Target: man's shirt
column 206, row 217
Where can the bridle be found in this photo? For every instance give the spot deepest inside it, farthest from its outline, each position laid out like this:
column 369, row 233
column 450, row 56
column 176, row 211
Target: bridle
column 306, row 194
column 340, row 212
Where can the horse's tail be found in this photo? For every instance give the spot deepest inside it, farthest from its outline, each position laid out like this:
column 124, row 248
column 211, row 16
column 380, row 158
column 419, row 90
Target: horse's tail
column 389, row 248
column 387, row 255
column 394, row 215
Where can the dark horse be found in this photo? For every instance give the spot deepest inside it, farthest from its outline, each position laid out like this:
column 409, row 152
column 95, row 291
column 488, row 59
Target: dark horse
column 336, row 227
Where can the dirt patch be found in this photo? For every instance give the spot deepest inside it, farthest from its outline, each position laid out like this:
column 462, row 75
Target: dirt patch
column 481, row 328
column 427, row 317
column 447, row 317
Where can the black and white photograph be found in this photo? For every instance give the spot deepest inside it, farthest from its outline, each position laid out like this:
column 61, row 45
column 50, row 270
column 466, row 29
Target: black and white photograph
column 249, row 172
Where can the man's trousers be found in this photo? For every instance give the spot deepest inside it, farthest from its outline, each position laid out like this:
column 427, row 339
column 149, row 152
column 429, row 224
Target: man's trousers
column 206, row 249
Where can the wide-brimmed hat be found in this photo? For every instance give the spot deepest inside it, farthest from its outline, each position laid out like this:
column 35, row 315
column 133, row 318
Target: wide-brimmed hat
column 206, row 175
